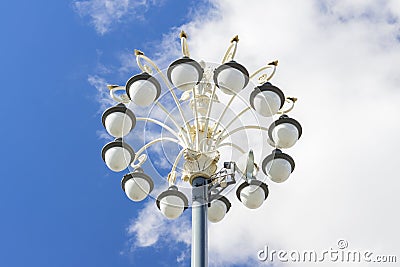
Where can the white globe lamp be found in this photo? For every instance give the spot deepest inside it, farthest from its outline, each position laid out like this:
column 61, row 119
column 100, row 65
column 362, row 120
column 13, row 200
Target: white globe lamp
column 231, row 77
column 284, row 132
column 117, row 155
column 217, row 208
column 143, row 89
column 278, row 166
column 185, row 73
column 252, row 193
column 118, row 120
column 267, row 99
column 137, row 185
column 172, row 203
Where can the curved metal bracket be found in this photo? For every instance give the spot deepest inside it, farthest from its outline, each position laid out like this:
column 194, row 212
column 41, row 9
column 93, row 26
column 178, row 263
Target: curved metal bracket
column 120, row 98
column 141, row 160
column 232, row 145
column 146, row 68
column 264, row 77
column 242, row 128
column 291, row 101
column 143, row 157
column 231, row 51
column 229, row 55
column 184, row 45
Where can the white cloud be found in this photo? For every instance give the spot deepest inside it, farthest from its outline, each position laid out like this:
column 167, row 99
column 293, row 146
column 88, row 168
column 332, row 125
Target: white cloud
column 105, row 13
column 341, row 59
column 151, row 226
column 103, row 96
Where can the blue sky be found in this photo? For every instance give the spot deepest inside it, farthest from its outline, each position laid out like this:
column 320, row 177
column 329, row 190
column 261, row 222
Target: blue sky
column 61, row 206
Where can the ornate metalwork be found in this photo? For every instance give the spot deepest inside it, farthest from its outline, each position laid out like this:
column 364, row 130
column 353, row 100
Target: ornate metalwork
column 199, row 141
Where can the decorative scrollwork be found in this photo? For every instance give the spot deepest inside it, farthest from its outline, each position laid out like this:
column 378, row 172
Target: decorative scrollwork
column 199, row 142
column 141, row 159
column 171, row 177
column 199, row 163
column 231, row 51
column 120, row 98
column 265, row 77
column 291, row 101
column 184, row 45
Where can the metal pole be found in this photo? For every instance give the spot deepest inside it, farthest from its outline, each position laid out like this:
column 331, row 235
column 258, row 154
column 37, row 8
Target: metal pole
column 199, row 223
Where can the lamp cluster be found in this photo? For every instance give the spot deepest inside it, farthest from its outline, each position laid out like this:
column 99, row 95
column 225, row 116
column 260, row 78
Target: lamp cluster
column 200, row 140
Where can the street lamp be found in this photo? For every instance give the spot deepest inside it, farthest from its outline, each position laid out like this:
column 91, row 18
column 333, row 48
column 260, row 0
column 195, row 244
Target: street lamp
column 137, row 185
column 118, row 120
column 201, row 137
column 185, row 73
column 231, row 77
column 218, row 207
column 278, row 166
column 117, row 155
column 143, row 89
column 172, row 202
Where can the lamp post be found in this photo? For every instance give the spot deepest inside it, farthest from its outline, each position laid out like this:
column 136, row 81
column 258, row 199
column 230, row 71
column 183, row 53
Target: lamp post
column 200, row 137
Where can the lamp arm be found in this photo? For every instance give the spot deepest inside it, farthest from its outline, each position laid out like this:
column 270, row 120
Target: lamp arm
column 122, row 98
column 232, row 145
column 233, row 120
column 265, row 78
column 196, row 116
column 161, row 106
column 141, row 160
column 228, row 56
column 140, row 56
column 291, row 101
column 139, row 155
column 256, row 127
column 231, row 51
column 218, row 122
column 184, row 45
column 163, row 125
column 172, row 173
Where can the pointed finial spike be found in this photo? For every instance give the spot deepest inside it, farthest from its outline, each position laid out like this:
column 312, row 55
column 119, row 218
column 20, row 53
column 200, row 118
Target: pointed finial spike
column 273, row 63
column 138, row 53
column 235, row 39
column 112, row 86
column 183, row 34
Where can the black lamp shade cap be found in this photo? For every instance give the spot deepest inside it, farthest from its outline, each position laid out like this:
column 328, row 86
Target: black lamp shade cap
column 143, row 76
column 136, row 174
column 185, row 60
column 284, row 119
column 118, row 143
column 235, row 65
column 173, row 191
column 223, row 199
column 277, row 154
column 267, row 87
column 264, row 186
